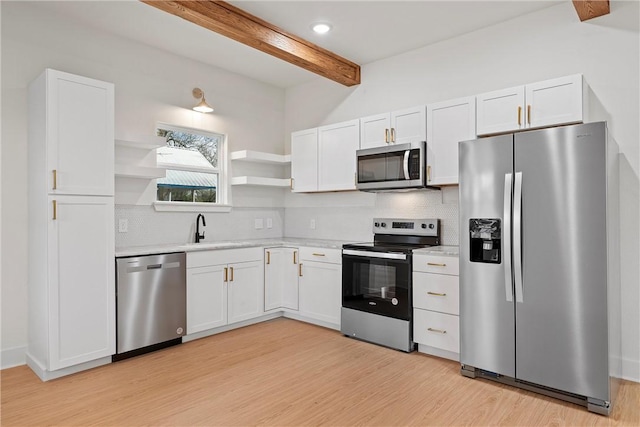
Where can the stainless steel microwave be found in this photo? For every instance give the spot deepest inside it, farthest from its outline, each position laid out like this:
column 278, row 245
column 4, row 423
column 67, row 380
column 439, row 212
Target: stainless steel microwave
column 392, row 167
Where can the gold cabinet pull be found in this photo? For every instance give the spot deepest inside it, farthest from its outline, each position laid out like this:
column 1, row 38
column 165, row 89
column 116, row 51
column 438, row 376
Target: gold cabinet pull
column 268, row 257
column 386, row 136
column 55, row 210
column 300, row 270
column 436, row 294
column 439, row 331
column 55, row 179
column 231, row 268
column 519, row 115
column 317, row 254
column 393, row 134
column 226, row 274
column 436, row 264
column 529, row 114
column 428, row 173
column 295, row 253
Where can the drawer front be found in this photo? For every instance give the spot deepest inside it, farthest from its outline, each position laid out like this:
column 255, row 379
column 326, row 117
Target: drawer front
column 436, row 330
column 435, row 264
column 333, row 256
column 223, row 256
column 436, row 292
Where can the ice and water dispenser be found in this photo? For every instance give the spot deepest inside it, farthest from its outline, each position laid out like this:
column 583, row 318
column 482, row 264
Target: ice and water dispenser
column 485, row 234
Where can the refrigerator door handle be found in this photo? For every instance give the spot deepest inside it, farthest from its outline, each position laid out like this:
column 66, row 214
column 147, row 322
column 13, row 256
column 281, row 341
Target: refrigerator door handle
column 506, row 230
column 517, row 236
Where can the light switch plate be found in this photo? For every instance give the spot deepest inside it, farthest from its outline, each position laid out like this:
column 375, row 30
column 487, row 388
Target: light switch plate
column 259, row 223
column 312, row 224
column 123, row 225
column 269, row 223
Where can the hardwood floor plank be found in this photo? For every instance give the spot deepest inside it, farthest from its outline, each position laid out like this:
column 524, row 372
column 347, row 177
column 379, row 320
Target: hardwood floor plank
column 287, row 373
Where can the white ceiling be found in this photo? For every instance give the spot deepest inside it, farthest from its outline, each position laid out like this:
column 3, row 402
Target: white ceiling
column 363, row 31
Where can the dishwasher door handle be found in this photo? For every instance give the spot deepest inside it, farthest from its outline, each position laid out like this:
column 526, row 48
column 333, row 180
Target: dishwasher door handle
column 154, row 266
column 167, row 265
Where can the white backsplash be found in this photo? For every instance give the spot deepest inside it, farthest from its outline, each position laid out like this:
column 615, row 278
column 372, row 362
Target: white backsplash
column 148, row 227
column 345, row 216
column 350, row 217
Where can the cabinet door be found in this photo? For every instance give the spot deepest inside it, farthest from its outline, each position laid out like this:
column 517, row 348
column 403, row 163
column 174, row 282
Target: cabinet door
column 500, row 111
column 304, row 160
column 206, row 298
column 281, row 278
column 82, row 279
column 409, row 125
column 448, row 123
column 246, row 291
column 375, row 131
column 337, row 145
column 80, row 127
column 554, row 102
column 320, row 286
column 290, row 278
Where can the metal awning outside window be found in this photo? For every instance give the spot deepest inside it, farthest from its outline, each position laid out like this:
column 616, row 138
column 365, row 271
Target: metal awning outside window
column 188, row 179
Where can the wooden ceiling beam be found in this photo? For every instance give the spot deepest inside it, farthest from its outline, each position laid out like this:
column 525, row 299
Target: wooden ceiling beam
column 229, row 21
column 588, row 9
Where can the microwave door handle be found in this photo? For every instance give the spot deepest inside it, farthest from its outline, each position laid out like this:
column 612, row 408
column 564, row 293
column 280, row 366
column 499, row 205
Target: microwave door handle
column 405, row 164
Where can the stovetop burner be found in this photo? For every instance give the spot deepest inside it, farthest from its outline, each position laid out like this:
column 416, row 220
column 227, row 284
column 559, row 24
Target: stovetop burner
column 400, row 235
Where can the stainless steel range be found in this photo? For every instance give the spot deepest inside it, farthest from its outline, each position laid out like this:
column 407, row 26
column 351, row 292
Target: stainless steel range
column 376, row 281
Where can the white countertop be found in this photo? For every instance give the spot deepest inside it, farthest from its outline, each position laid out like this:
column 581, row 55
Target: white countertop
column 439, row 250
column 231, row 244
column 285, row 241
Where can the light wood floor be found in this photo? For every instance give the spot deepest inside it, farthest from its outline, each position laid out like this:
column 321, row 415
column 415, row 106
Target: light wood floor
column 287, row 373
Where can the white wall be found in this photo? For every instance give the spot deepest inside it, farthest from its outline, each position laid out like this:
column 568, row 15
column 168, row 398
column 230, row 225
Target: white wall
column 546, row 44
column 151, row 86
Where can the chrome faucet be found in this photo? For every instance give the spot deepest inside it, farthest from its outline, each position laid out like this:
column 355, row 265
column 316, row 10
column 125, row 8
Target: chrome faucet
column 204, row 224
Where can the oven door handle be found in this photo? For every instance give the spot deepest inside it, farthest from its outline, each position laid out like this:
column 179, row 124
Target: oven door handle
column 369, row 254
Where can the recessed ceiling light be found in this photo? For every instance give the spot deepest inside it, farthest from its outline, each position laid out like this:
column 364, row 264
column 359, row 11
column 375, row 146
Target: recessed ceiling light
column 321, row 28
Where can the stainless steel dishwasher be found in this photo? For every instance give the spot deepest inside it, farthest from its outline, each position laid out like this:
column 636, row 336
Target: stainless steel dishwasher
column 151, row 294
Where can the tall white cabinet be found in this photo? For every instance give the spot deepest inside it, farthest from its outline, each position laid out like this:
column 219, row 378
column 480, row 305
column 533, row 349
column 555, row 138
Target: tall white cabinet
column 71, row 223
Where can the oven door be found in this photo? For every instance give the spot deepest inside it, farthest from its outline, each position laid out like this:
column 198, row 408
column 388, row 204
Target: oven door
column 377, row 282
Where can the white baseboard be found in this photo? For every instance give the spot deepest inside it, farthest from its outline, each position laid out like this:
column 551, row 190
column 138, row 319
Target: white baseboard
column 12, row 357
column 631, row 370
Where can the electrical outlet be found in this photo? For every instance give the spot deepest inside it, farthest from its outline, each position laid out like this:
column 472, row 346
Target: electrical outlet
column 123, row 225
column 259, row 223
column 312, row 224
column 269, row 223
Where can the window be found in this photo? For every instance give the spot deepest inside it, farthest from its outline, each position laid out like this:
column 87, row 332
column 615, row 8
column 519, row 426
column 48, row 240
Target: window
column 194, row 160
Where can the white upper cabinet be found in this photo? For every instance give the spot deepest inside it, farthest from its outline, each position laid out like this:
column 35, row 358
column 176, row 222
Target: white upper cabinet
column 79, row 115
column 337, row 145
column 448, row 123
column 547, row 103
column 500, row 111
column 397, row 127
column 409, row 125
column 304, row 160
column 555, row 102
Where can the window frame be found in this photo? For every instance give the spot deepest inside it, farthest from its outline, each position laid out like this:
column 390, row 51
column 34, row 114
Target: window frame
column 223, row 190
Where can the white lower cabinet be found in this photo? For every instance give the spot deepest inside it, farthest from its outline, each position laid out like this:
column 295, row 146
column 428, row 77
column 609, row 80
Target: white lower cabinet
column 223, row 287
column 280, row 278
column 81, row 306
column 320, row 284
column 436, row 305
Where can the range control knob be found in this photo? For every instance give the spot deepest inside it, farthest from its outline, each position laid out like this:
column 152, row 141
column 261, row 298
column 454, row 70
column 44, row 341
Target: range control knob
column 383, row 224
column 424, row 225
column 376, row 224
column 431, row 226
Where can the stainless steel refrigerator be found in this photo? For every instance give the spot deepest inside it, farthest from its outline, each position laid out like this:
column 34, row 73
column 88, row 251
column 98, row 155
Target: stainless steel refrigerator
column 539, row 280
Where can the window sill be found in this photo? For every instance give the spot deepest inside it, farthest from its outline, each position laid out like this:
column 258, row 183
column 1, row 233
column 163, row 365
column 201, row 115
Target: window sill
column 190, row 207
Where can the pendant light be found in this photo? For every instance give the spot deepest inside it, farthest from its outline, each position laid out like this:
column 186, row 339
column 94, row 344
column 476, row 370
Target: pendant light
column 202, row 106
